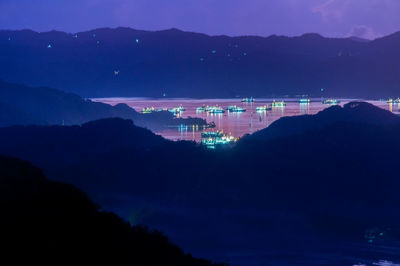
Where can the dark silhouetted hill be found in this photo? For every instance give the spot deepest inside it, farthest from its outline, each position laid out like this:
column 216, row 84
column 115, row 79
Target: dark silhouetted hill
column 92, row 139
column 324, row 193
column 356, row 112
column 23, row 105
column 126, row 62
column 50, row 223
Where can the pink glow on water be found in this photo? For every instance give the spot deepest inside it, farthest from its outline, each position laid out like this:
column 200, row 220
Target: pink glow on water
column 236, row 124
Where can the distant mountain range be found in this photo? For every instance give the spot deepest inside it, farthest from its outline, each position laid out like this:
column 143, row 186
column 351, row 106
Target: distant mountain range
column 23, row 105
column 173, row 63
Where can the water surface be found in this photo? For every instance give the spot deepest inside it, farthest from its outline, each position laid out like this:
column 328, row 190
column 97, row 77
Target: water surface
column 235, row 124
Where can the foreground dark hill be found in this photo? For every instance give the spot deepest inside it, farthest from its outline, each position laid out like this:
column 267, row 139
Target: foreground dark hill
column 23, row 105
column 338, row 157
column 324, row 194
column 51, row 223
column 127, row 62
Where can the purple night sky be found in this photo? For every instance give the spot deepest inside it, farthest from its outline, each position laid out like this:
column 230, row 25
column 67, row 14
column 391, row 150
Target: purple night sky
column 335, row 18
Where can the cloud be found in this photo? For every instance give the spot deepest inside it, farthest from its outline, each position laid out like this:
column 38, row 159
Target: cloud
column 364, row 32
column 331, row 9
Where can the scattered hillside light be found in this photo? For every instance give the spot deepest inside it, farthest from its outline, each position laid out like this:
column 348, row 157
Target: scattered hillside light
column 202, row 59
column 75, row 36
column 49, row 46
column 98, row 42
column 213, row 51
column 236, row 46
column 94, row 35
column 244, row 54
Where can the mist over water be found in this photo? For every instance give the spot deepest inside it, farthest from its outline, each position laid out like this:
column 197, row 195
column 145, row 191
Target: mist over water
column 235, row 124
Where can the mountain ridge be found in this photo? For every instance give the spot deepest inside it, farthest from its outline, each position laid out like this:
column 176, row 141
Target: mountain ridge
column 24, row 105
column 175, row 63
column 174, row 29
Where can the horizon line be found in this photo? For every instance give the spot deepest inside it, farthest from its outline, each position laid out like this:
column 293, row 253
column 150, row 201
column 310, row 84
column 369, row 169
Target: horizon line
column 200, row 33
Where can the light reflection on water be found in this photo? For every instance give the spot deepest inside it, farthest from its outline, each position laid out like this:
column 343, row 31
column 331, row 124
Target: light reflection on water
column 236, row 124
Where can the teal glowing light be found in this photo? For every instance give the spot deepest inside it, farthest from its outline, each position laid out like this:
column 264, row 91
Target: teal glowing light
column 278, row 104
column 215, row 110
column 263, row 108
column 331, row 101
column 177, row 110
column 248, row 100
column 235, row 109
column 391, row 101
column 213, row 139
column 148, row 110
column 305, row 101
column 202, row 109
